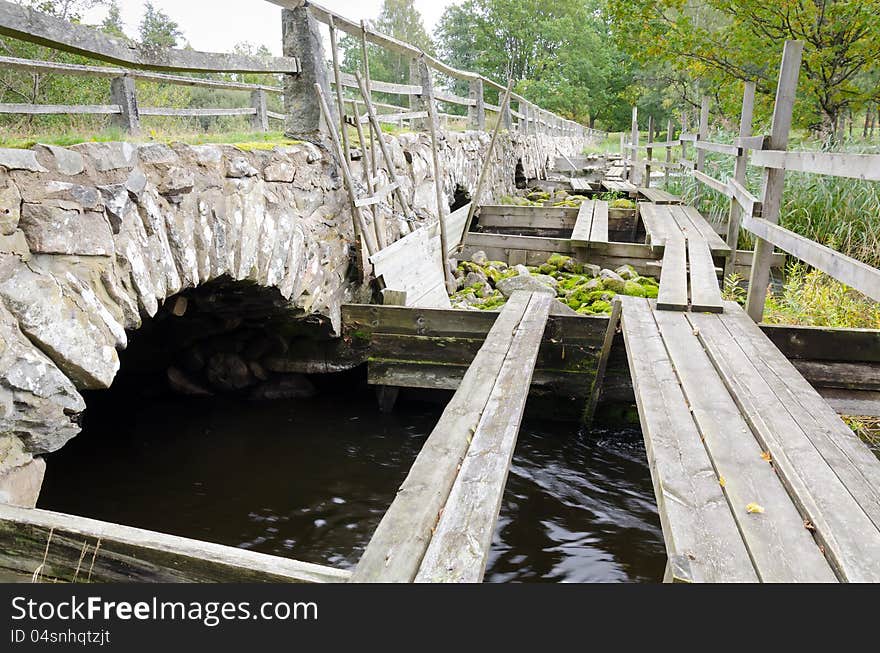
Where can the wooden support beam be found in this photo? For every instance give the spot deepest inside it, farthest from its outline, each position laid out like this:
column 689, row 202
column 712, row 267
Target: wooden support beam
column 739, row 173
column 774, row 179
column 50, row 545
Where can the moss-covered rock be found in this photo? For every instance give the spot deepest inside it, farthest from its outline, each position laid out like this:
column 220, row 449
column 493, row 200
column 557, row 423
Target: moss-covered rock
column 634, row 289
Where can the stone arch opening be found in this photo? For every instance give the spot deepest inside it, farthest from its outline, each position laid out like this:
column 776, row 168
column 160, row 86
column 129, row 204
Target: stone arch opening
column 460, row 197
column 519, row 175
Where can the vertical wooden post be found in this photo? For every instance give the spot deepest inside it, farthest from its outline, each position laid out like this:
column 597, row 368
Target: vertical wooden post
column 124, row 93
column 668, row 154
column 634, row 147
column 684, row 127
column 505, row 116
column 649, row 152
column 624, row 154
column 260, row 119
column 702, row 135
column 365, row 55
column 428, row 92
column 477, row 112
column 337, row 78
column 739, row 173
column 774, row 178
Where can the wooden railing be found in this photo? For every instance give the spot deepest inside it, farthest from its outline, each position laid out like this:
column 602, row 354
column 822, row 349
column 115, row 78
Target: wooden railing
column 760, row 216
column 138, row 63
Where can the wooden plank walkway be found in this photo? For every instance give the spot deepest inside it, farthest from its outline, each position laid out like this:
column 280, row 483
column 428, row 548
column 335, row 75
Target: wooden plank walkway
column 756, row 477
column 615, row 186
column 688, row 277
column 659, row 196
column 580, row 184
column 591, row 225
column 459, row 475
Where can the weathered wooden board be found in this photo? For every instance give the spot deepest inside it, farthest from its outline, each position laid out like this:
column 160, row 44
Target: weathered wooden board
column 78, row 549
column 619, row 186
column 797, row 448
column 690, row 220
column 825, row 343
column 412, row 264
column 459, row 548
column 703, row 542
column 580, row 235
column 580, row 184
column 599, row 228
column 657, row 223
column 658, row 195
column 673, row 293
column 398, row 545
column 780, row 547
column 705, row 292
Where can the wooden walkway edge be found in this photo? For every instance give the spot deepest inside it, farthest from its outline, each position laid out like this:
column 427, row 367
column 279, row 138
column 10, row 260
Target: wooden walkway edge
column 486, row 410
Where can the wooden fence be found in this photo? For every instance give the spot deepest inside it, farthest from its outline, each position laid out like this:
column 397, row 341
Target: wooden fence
column 163, row 66
column 760, row 216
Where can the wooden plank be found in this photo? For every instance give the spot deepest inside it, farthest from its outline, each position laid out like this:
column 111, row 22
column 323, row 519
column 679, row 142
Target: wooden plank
column 459, row 548
column 619, row 186
column 580, row 235
column 716, row 243
column 720, row 148
column 398, row 545
column 656, row 228
column 783, row 551
column 702, row 540
column 835, row 374
column 578, row 183
column 711, row 182
column 748, row 202
column 599, row 227
column 673, row 293
column 850, row 458
column 602, row 363
column 850, row 539
column 705, row 293
column 365, row 319
column 127, row 554
column 825, row 343
column 377, row 195
column 835, row 164
column 55, row 109
column 159, row 111
column 853, row 273
column 658, row 195
column 36, row 27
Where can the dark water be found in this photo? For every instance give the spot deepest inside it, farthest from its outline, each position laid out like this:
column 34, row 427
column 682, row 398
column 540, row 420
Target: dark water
column 311, row 480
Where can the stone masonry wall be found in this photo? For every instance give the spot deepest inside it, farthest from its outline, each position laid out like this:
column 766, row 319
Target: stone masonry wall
column 95, row 236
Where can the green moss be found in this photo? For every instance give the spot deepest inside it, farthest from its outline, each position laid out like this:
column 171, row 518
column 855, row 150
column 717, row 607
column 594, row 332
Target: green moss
column 634, row 289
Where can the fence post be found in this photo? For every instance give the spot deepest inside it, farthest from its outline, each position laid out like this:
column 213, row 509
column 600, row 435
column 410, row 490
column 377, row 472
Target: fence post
column 506, row 116
column 634, row 147
column 427, row 83
column 649, row 152
column 668, row 154
column 702, row 135
column 123, row 93
column 774, row 178
column 260, row 120
column 477, row 112
column 301, row 39
column 739, row 174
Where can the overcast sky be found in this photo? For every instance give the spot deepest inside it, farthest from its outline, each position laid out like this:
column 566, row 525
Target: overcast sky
column 217, row 25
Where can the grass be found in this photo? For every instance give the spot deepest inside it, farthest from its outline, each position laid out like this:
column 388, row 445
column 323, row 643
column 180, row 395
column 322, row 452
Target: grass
column 867, row 428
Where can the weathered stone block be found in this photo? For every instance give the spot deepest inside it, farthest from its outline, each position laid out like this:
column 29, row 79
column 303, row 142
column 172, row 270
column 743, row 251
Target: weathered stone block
column 14, row 159
column 10, row 208
column 53, row 230
column 21, row 486
column 65, row 161
column 108, row 156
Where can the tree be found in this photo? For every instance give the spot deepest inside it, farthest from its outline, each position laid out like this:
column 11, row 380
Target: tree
column 558, row 52
column 112, row 23
column 400, row 19
column 717, row 41
column 157, row 30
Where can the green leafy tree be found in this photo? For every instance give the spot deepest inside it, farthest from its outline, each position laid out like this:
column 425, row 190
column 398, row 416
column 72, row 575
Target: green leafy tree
column 718, row 41
column 157, row 30
column 112, row 23
column 400, row 19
